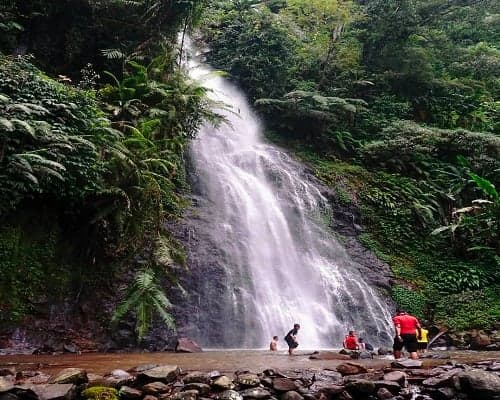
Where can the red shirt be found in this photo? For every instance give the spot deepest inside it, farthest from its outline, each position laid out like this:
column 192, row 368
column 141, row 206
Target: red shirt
column 408, row 324
column 350, row 343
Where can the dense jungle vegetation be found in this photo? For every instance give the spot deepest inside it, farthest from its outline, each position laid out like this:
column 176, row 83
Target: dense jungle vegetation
column 393, row 103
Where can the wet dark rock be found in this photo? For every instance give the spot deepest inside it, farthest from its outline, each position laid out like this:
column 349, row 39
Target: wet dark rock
column 185, row 345
column 8, row 396
column 202, row 388
column 291, row 395
column 406, row 364
column 444, row 393
column 155, row 388
column 396, row 376
column 267, row 381
column 197, row 377
column 7, row 371
column 383, row 351
column 284, row 385
column 328, row 389
column 444, row 379
column 384, row 394
column 129, row 393
column 351, row 369
column 392, row 387
column 361, row 388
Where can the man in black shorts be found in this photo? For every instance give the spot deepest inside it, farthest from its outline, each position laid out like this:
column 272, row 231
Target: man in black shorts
column 407, row 333
column 291, row 338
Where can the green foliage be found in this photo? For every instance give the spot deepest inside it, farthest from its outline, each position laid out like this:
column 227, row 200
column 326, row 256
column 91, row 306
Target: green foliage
column 100, row 393
column 145, row 297
column 471, row 309
column 410, row 300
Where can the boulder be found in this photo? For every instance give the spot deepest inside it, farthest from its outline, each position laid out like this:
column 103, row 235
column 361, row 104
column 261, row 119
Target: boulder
column 392, row 387
column 185, row 345
column 445, row 379
column 361, row 389
column 162, row 373
column 197, row 377
column 71, row 348
column 75, row 376
column 351, row 369
column 396, row 376
column 384, row 394
column 185, row 395
column 479, row 385
column 56, row 391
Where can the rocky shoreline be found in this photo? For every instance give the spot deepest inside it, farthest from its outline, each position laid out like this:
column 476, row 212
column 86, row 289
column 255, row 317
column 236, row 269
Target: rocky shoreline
column 350, row 380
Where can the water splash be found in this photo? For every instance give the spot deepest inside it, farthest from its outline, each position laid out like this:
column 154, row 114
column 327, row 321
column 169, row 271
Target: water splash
column 268, row 222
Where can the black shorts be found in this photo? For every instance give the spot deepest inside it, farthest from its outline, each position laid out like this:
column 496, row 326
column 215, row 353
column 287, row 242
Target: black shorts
column 409, row 342
column 422, row 345
column 292, row 344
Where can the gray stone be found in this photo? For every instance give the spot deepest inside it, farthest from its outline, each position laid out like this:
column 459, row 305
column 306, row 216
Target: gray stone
column 393, row 387
column 223, row 383
column 197, row 377
column 202, row 388
column 479, row 385
column 360, row 388
column 441, row 380
column 162, row 373
column 129, row 393
column 351, row 369
column 248, row 380
column 230, row 395
column 155, row 388
column 185, row 345
column 284, row 385
column 365, row 355
column 291, row 395
column 65, row 391
column 406, row 364
column 185, row 395
column 70, row 375
column 255, row 393
column 384, row 394
column 396, row 376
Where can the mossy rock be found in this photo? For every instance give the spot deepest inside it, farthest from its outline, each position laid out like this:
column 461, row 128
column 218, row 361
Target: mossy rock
column 100, row 393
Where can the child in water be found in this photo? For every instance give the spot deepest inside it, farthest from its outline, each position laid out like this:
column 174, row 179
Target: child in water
column 273, row 346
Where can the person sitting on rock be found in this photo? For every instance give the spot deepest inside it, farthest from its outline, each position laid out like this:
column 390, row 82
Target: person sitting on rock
column 351, row 341
column 364, row 345
column 273, row 346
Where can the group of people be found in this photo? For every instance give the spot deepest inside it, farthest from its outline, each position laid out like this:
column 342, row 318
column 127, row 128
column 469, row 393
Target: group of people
column 409, row 335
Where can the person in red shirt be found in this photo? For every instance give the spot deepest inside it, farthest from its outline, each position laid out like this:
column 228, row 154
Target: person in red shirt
column 408, row 331
column 351, row 341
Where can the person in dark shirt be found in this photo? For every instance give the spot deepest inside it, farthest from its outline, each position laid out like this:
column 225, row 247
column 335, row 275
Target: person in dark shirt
column 291, row 338
column 364, row 345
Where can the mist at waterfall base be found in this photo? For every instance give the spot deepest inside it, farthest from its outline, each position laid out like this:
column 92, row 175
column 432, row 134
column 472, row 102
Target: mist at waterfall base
column 260, row 252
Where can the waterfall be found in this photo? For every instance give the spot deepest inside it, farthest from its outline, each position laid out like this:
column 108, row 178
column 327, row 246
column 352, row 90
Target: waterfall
column 269, row 259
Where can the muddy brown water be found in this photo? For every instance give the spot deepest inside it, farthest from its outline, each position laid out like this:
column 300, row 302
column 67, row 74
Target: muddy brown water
column 223, row 361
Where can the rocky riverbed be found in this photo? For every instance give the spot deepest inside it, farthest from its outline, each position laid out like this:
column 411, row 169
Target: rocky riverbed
column 326, row 377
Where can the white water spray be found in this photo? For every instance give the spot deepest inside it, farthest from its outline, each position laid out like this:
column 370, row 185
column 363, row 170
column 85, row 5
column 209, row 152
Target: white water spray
column 282, row 264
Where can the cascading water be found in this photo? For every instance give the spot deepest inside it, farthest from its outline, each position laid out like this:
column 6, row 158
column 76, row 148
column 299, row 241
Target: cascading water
column 277, row 262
